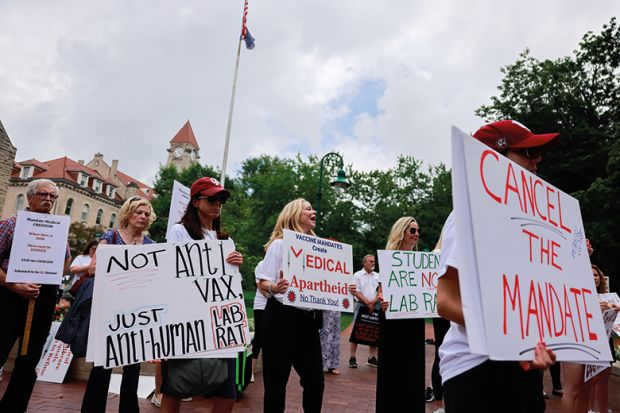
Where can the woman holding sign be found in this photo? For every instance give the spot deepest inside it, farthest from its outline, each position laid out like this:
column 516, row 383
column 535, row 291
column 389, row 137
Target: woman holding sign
column 400, row 375
column 290, row 335
column 509, row 386
column 201, row 221
column 135, row 218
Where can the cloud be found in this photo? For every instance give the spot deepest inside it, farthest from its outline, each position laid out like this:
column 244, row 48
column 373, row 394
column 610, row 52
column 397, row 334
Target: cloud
column 372, row 80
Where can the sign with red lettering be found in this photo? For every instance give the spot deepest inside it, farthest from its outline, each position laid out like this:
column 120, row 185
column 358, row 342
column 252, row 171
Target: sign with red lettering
column 38, row 249
column 591, row 370
column 366, row 328
column 319, row 271
column 612, row 298
column 55, row 359
column 409, row 283
column 524, row 269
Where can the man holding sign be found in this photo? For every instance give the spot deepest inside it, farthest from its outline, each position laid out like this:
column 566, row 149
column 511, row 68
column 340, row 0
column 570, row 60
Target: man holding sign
column 15, row 297
column 508, row 384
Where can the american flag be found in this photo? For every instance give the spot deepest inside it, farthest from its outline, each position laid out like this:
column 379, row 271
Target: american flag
column 245, row 33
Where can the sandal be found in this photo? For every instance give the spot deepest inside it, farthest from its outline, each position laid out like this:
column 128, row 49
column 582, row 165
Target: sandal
column 335, row 372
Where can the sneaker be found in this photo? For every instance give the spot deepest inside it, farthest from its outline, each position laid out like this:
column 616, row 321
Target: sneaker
column 372, row 362
column 187, row 399
column 440, row 410
column 155, row 401
column 429, row 395
column 353, row 363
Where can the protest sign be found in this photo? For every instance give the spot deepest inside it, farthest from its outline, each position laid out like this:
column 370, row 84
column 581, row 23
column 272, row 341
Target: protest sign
column 162, row 301
column 366, row 328
column 591, row 370
column 524, row 269
column 178, row 205
column 319, row 271
column 612, row 298
column 38, row 249
column 409, row 283
column 56, row 358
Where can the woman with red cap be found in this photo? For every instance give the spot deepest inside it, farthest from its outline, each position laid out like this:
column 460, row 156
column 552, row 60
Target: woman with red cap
column 472, row 382
column 201, row 221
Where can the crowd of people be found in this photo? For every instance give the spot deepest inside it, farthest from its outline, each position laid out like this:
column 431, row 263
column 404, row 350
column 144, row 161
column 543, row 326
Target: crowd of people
column 297, row 338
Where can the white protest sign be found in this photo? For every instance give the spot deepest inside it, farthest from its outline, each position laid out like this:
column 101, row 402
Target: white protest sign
column 409, row 283
column 609, row 316
column 319, row 271
column 178, row 205
column 56, row 358
column 162, row 301
column 39, row 248
column 612, row 298
column 524, row 269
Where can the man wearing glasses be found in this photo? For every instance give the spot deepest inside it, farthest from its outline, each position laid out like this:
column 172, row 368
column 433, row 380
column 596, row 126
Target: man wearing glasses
column 41, row 195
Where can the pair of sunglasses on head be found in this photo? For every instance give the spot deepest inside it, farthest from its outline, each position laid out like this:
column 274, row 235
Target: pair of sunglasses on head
column 221, row 198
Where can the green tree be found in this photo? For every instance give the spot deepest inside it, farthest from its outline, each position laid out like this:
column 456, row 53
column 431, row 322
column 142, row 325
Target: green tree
column 578, row 96
column 81, row 234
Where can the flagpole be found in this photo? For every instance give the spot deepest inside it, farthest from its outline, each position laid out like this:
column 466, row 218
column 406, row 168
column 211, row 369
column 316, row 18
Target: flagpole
column 230, row 115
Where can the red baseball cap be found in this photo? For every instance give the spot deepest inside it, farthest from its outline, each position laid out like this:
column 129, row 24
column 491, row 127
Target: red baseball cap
column 506, row 134
column 207, row 186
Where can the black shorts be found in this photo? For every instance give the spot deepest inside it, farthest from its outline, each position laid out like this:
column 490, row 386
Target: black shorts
column 225, row 391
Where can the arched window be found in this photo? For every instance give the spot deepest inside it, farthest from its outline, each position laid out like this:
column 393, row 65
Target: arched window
column 85, row 210
column 112, row 220
column 69, row 206
column 20, row 202
column 99, row 217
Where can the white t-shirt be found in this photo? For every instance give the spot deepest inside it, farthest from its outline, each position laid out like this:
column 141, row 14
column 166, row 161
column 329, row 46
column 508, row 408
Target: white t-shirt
column 178, row 234
column 79, row 261
column 366, row 283
column 272, row 265
column 260, row 301
column 454, row 352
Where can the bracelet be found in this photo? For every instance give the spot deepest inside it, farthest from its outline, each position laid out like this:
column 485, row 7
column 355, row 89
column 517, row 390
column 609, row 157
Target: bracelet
column 270, row 292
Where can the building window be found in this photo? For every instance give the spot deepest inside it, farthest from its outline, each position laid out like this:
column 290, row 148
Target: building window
column 20, row 203
column 82, row 179
column 26, row 172
column 69, row 206
column 112, row 220
column 97, row 186
column 110, row 191
column 99, row 217
column 85, row 210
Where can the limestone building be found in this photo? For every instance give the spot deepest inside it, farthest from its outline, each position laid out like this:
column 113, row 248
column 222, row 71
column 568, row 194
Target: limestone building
column 183, row 150
column 7, row 157
column 90, row 193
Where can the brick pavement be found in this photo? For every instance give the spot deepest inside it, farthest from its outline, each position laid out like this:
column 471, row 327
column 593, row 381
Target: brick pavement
column 351, row 392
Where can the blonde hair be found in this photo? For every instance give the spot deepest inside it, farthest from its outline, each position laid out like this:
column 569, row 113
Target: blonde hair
column 130, row 206
column 397, row 233
column 288, row 219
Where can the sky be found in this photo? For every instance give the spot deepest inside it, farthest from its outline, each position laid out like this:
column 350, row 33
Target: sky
column 368, row 79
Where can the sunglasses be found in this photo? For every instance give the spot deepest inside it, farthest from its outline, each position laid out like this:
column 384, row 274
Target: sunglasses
column 215, row 198
column 44, row 195
column 414, row 231
column 529, row 153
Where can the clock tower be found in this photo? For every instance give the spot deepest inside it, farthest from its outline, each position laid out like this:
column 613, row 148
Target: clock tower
column 184, row 148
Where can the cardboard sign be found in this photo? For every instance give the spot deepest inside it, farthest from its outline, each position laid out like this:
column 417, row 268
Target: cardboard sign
column 38, row 249
column 524, row 269
column 366, row 328
column 178, row 205
column 319, row 271
column 609, row 316
column 612, row 298
column 163, row 301
column 55, row 359
column 409, row 283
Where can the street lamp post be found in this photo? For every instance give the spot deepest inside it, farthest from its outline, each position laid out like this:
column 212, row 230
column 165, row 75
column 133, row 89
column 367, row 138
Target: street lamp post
column 341, row 183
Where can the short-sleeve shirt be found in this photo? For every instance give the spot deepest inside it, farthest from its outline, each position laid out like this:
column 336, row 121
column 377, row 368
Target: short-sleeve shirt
column 272, row 265
column 7, row 231
column 260, row 301
column 367, row 283
column 454, row 353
